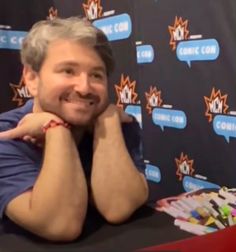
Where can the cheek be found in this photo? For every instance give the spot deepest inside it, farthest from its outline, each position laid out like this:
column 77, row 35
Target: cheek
column 51, row 88
column 102, row 91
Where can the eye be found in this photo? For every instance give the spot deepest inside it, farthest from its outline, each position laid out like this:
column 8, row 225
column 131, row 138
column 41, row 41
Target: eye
column 68, row 71
column 97, row 75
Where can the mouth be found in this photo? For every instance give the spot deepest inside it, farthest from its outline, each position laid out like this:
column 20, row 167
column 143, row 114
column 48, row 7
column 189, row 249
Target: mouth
column 77, row 100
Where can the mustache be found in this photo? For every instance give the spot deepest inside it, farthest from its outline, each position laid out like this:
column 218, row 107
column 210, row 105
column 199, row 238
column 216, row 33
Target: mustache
column 77, row 96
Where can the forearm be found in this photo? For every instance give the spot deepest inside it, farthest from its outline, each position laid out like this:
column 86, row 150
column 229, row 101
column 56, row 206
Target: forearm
column 117, row 186
column 59, row 196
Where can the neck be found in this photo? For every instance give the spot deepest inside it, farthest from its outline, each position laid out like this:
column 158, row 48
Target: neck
column 36, row 107
column 78, row 133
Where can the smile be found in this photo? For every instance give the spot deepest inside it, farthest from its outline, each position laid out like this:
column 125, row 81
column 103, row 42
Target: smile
column 77, row 100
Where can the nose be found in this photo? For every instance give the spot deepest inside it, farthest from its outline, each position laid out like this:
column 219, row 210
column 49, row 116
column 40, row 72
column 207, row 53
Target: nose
column 82, row 84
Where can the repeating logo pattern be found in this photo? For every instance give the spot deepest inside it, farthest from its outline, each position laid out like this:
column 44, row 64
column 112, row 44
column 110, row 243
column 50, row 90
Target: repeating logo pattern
column 179, row 47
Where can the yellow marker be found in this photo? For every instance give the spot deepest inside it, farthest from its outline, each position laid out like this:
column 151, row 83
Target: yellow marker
column 202, row 212
column 210, row 221
column 193, row 220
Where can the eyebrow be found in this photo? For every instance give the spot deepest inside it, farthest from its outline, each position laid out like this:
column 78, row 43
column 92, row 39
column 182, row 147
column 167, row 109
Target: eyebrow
column 75, row 64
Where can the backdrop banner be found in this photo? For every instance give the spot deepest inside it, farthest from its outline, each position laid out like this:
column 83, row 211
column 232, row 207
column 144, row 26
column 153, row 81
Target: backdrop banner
column 175, row 72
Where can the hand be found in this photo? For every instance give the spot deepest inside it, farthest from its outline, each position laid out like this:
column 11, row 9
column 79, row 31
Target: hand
column 30, row 127
column 111, row 110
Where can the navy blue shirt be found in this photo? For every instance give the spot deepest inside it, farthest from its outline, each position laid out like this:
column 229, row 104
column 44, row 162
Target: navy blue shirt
column 20, row 161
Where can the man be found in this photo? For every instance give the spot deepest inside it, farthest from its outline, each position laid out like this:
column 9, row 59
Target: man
column 68, row 147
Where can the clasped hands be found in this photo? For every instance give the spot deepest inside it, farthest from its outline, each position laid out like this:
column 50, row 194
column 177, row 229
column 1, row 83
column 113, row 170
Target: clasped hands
column 30, row 126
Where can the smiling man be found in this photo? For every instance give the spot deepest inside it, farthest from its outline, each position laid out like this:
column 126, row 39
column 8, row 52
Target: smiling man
column 68, row 147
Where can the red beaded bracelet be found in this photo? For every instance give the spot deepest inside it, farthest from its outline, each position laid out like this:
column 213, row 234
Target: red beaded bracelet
column 52, row 124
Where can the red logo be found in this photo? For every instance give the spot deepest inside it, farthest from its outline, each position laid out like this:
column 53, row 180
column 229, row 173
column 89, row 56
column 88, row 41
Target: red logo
column 93, row 9
column 179, row 31
column 21, row 93
column 153, row 98
column 125, row 91
column 52, row 13
column 184, row 166
column 216, row 104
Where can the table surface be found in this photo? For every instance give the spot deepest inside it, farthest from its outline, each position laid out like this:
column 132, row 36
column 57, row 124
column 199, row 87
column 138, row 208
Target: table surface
column 146, row 228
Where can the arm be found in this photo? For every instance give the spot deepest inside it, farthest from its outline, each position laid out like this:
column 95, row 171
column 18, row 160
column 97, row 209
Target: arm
column 56, row 206
column 118, row 188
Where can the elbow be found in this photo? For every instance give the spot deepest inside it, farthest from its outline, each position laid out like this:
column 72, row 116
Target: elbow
column 121, row 210
column 118, row 213
column 62, row 232
column 116, row 218
column 64, row 235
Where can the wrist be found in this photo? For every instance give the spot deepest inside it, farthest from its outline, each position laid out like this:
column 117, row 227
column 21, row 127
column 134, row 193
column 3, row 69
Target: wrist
column 55, row 123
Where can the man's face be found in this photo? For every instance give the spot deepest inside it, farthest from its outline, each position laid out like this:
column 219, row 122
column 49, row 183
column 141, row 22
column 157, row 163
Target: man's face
column 72, row 83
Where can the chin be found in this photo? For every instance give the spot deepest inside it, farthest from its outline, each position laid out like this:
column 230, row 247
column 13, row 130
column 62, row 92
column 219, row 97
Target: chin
column 81, row 121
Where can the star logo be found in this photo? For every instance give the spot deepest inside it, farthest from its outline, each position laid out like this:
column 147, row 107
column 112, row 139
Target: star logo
column 21, row 93
column 184, row 166
column 216, row 104
column 93, row 9
column 178, row 32
column 153, row 98
column 52, row 13
column 126, row 92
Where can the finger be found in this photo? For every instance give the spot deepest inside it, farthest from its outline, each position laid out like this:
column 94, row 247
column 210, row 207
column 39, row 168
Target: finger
column 17, row 132
column 26, row 138
column 30, row 139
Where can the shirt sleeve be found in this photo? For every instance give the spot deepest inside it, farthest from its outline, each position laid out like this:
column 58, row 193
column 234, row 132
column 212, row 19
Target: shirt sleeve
column 132, row 136
column 18, row 171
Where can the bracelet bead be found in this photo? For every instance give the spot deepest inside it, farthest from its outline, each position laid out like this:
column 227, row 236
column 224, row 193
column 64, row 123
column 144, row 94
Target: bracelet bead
column 53, row 123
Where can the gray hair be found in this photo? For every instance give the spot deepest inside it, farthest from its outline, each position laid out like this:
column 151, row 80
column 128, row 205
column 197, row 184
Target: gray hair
column 35, row 44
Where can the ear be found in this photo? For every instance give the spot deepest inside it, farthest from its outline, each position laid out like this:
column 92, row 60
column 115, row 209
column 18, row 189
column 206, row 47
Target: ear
column 31, row 80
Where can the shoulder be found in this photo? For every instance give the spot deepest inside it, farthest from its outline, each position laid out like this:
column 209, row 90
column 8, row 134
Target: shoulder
column 11, row 118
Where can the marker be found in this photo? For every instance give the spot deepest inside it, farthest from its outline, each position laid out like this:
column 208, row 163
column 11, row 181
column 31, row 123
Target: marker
column 218, row 201
column 194, row 227
column 192, row 230
column 210, row 208
column 176, row 213
column 197, row 210
column 225, row 210
column 194, row 202
column 209, row 221
column 230, row 220
column 183, row 205
column 219, row 224
column 176, row 205
column 233, row 212
column 228, row 196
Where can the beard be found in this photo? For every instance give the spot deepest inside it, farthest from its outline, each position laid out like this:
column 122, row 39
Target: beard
column 68, row 109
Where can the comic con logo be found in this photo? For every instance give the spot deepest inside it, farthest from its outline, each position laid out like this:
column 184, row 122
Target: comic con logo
column 215, row 104
column 184, row 166
column 153, row 98
column 115, row 27
column 178, row 32
column 217, row 112
column 52, row 13
column 127, row 98
column 126, row 92
column 186, row 173
column 93, row 9
column 191, row 47
column 21, row 93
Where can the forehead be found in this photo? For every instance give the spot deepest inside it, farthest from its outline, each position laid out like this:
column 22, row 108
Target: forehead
column 60, row 51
